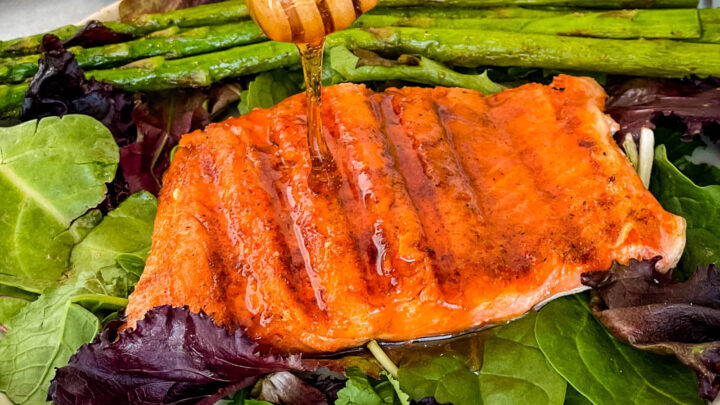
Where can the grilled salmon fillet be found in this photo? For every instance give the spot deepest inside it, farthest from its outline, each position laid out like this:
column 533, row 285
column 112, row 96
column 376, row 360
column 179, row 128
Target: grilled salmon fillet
column 456, row 210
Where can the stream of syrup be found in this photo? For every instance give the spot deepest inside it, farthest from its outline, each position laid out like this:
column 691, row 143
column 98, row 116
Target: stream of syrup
column 306, row 23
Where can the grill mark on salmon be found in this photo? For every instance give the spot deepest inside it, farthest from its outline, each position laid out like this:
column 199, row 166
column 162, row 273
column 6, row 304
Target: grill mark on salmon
column 442, row 194
column 396, row 226
column 455, row 210
column 320, row 225
column 523, row 125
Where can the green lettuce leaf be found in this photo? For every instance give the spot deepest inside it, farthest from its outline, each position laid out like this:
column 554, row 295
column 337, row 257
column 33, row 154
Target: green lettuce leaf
column 700, row 206
column 269, row 88
column 603, row 369
column 12, row 300
column 52, row 171
column 364, row 66
column 513, row 370
column 360, row 389
column 45, row 333
column 122, row 240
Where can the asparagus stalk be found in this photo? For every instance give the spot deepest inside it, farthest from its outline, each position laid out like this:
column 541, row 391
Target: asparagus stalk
column 202, row 70
column 472, row 48
column 710, row 21
column 621, row 24
column 464, row 12
column 11, row 99
column 209, row 14
column 190, row 42
column 606, row 4
column 421, row 70
column 467, row 48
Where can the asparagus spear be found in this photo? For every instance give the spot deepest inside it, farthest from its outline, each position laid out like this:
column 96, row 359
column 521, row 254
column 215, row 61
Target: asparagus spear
column 472, row 48
column 420, row 70
column 464, row 12
column 190, row 42
column 202, row 70
column 710, row 21
column 11, row 99
column 607, row 4
column 622, row 24
column 468, row 48
column 209, row 14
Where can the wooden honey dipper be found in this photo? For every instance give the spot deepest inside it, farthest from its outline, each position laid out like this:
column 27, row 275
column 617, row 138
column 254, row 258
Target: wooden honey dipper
column 306, row 23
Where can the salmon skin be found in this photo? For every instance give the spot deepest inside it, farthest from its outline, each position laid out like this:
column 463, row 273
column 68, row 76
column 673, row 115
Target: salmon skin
column 456, row 210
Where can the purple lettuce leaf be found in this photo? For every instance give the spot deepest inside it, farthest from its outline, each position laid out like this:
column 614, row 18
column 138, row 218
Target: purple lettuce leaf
column 161, row 121
column 95, row 33
column 172, row 356
column 693, row 104
column 59, row 87
column 653, row 311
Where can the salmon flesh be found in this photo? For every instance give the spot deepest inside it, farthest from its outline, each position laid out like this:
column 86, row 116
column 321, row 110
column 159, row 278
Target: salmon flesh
column 456, row 210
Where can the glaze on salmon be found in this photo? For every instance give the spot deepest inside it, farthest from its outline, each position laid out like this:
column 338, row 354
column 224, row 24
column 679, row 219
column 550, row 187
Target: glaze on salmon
column 456, row 210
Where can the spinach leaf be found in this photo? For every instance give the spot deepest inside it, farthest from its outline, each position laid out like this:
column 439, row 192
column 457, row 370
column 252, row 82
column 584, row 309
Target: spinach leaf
column 52, row 172
column 268, row 89
column 603, row 369
column 45, row 333
column 700, row 206
column 361, row 389
column 572, row 397
column 701, row 174
column 446, row 378
column 514, row 370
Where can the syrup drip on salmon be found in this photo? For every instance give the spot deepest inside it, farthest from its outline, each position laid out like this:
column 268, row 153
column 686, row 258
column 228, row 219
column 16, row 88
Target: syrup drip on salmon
column 306, row 23
column 453, row 210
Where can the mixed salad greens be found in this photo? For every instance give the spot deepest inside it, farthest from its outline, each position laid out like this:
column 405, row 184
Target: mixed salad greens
column 83, row 152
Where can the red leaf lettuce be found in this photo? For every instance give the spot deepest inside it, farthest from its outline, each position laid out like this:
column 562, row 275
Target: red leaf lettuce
column 653, row 311
column 172, row 356
column 94, row 33
column 161, row 120
column 694, row 105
